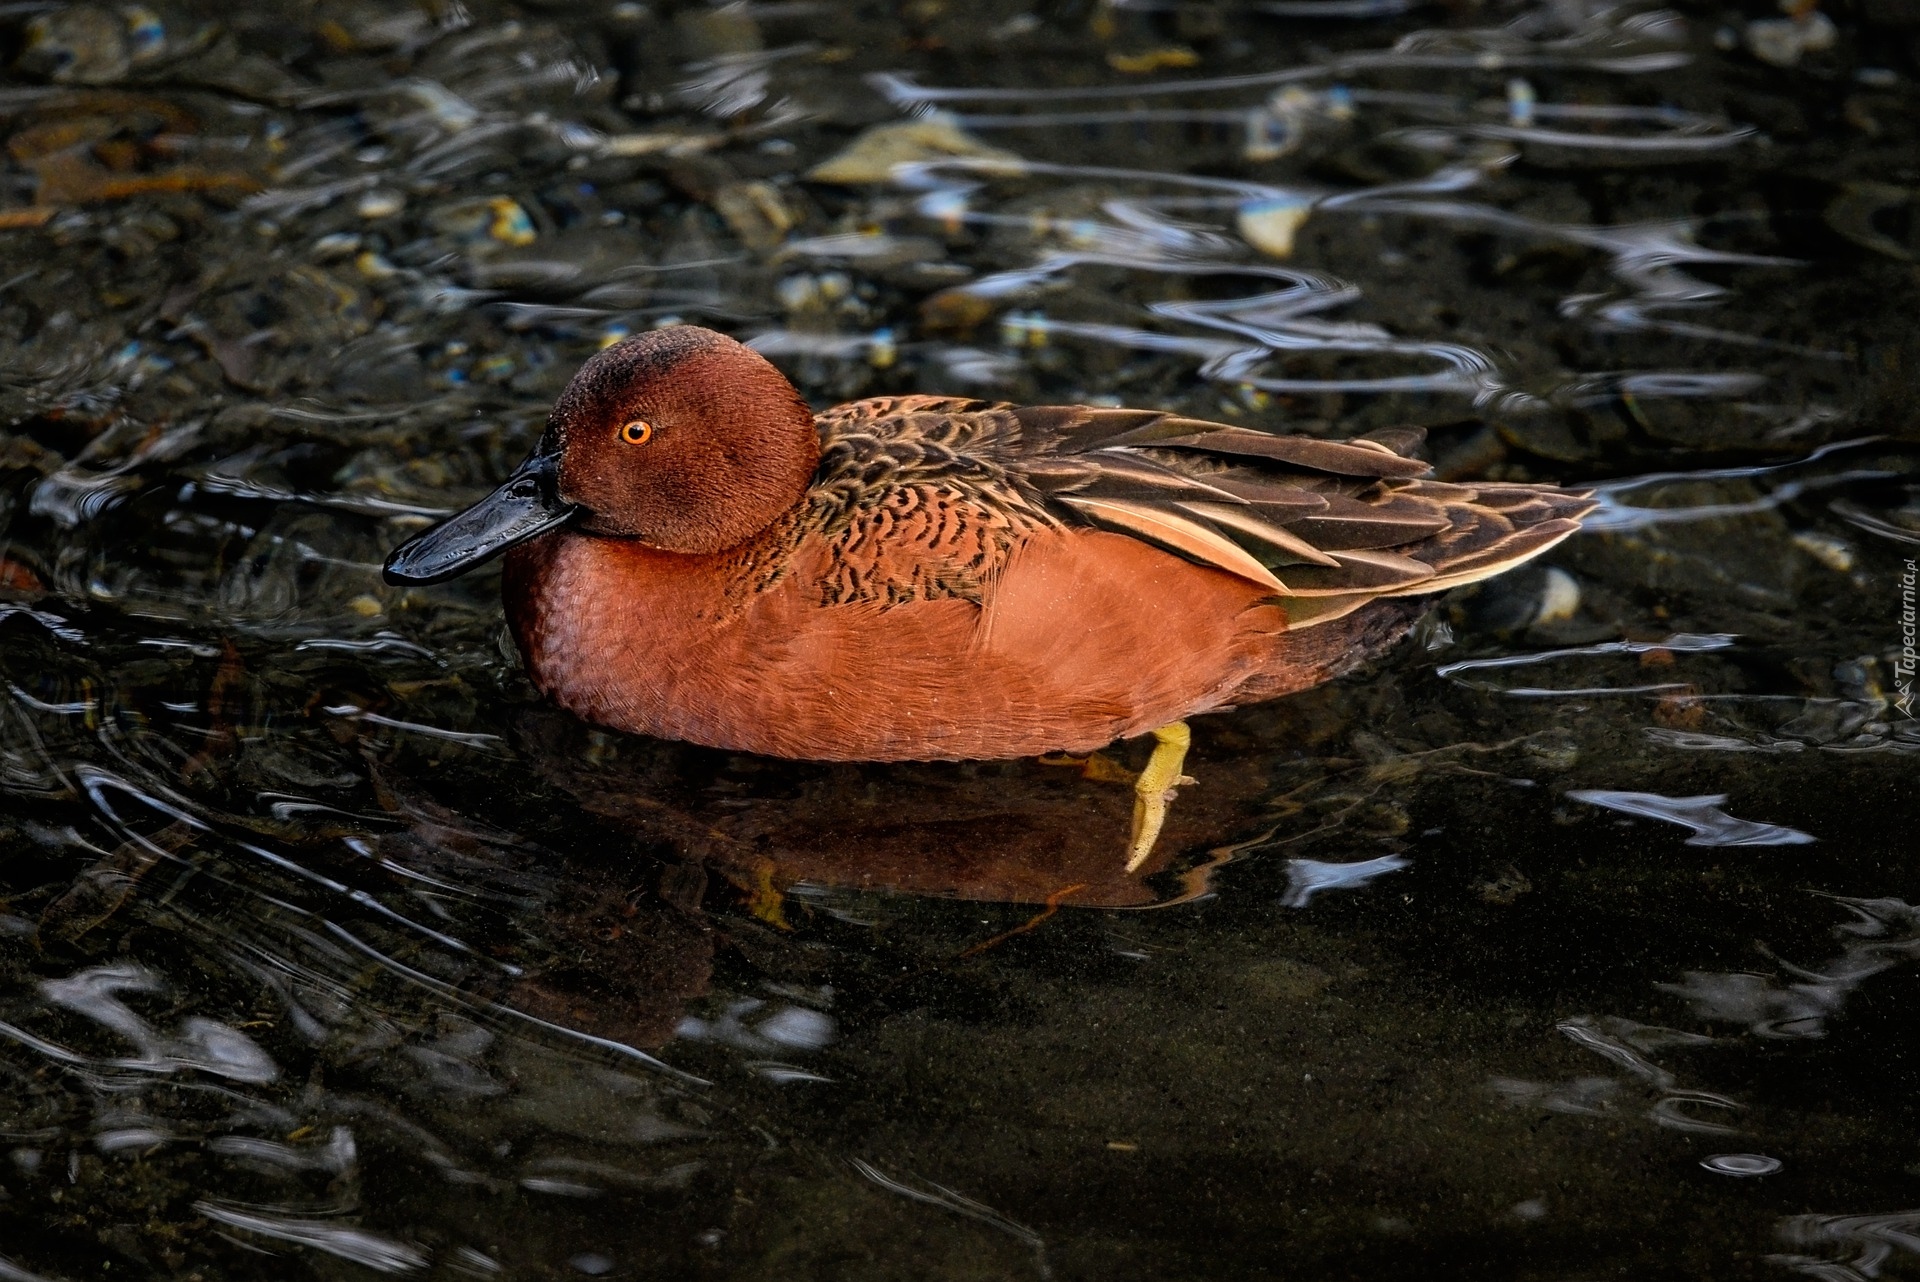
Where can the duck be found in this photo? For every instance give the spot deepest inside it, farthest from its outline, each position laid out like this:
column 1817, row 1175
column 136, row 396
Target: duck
column 691, row 552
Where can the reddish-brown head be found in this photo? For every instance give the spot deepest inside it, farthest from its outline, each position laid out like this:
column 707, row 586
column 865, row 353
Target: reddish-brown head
column 680, row 438
column 683, row 439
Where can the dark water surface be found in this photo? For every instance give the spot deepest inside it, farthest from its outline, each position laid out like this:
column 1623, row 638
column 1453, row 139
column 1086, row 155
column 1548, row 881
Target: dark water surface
column 1576, row 938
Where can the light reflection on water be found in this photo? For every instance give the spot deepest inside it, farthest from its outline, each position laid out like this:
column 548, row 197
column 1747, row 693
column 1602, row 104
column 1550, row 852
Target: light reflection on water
column 330, row 949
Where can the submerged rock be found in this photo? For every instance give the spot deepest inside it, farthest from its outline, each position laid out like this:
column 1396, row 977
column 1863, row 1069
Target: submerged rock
column 82, row 45
column 876, row 154
column 1270, row 225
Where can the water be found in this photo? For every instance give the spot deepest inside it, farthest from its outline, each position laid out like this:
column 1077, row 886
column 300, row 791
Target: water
column 1574, row 938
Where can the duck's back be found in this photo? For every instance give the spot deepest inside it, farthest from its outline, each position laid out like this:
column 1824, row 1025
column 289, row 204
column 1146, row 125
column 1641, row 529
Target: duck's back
column 979, row 581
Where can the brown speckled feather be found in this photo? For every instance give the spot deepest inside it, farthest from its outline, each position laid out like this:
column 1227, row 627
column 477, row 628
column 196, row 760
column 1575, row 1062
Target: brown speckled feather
column 962, row 482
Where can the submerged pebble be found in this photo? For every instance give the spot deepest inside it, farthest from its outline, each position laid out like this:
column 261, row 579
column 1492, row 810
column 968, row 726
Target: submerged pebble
column 1834, row 553
column 337, row 244
column 955, row 309
column 82, row 44
column 146, row 34
column 706, row 33
column 380, row 204
column 448, row 109
column 1270, row 225
column 1559, row 597
column 510, row 223
column 375, row 266
column 1520, row 103
column 1147, row 61
column 756, row 212
column 876, row 154
column 1782, row 42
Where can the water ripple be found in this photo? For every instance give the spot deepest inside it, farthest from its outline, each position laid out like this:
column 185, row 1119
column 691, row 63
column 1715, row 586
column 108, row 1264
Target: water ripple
column 1711, row 825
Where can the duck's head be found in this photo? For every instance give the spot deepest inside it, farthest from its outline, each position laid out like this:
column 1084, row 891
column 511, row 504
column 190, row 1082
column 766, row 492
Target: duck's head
column 678, row 438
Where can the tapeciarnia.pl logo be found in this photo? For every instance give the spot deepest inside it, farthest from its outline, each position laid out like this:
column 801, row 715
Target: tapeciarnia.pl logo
column 1904, row 663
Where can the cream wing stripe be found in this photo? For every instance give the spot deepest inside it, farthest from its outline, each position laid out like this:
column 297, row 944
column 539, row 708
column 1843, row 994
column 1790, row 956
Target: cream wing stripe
column 1178, row 534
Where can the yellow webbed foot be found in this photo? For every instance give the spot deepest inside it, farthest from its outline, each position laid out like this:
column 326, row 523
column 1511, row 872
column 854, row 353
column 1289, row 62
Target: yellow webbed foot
column 1154, row 789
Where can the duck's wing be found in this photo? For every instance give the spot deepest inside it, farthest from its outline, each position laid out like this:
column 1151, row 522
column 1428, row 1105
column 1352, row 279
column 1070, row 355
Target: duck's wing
column 1326, row 524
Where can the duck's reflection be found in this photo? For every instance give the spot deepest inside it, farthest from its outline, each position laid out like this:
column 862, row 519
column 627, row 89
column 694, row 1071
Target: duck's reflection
column 629, row 945
column 1050, row 831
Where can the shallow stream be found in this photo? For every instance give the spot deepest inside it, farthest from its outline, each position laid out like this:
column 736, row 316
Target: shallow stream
column 1575, row 938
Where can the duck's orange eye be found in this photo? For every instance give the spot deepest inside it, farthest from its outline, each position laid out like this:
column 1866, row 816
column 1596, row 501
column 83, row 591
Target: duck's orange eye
column 636, row 432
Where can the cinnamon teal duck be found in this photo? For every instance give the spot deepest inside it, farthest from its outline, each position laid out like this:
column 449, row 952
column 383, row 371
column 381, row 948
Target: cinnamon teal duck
column 692, row 553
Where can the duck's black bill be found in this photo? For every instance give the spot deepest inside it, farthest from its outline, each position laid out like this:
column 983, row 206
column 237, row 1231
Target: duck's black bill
column 528, row 504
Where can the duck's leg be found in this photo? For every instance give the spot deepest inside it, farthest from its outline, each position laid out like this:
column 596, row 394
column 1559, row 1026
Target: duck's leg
column 1155, row 788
